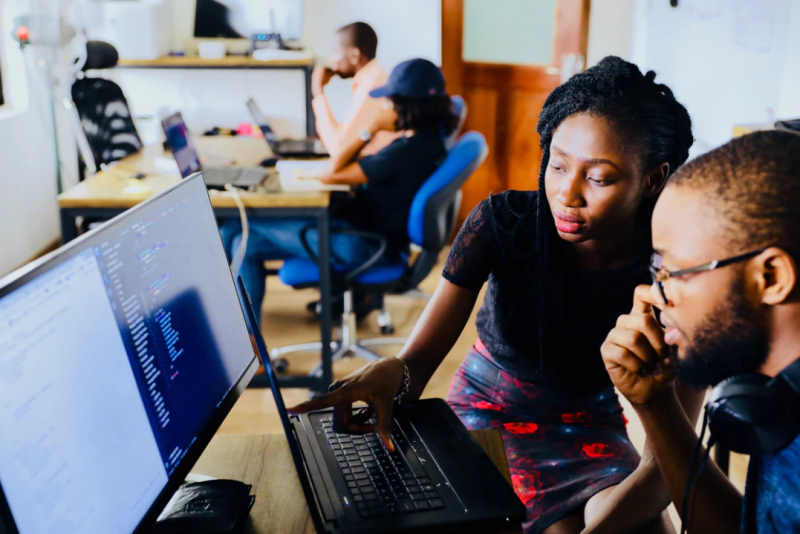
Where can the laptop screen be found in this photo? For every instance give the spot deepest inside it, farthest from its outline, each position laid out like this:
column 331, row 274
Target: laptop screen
column 180, row 143
column 117, row 356
column 261, row 120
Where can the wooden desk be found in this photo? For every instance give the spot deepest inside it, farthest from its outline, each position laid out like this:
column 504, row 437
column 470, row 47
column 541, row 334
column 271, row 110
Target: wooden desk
column 265, row 462
column 234, row 62
column 117, row 188
column 110, row 192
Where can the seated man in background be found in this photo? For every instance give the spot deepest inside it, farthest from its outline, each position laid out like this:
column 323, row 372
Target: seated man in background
column 727, row 285
column 419, row 111
column 354, row 58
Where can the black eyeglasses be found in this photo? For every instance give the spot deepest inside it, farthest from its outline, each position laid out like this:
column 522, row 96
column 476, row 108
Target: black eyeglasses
column 660, row 274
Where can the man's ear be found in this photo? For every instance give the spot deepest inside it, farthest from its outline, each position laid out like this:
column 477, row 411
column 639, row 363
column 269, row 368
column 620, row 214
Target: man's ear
column 353, row 55
column 775, row 273
column 655, row 179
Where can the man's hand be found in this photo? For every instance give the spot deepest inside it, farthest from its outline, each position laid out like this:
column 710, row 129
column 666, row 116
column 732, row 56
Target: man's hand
column 633, row 352
column 320, row 77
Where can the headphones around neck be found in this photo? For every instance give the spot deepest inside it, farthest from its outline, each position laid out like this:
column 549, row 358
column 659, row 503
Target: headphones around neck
column 755, row 414
column 751, row 414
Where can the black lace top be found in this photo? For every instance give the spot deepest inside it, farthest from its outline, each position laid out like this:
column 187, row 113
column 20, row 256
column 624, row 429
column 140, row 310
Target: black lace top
column 496, row 243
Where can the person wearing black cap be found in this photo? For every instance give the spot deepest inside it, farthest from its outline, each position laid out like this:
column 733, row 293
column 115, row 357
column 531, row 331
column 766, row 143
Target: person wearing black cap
column 416, row 107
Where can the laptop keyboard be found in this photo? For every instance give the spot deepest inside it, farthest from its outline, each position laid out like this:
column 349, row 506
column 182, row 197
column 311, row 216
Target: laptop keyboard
column 381, row 482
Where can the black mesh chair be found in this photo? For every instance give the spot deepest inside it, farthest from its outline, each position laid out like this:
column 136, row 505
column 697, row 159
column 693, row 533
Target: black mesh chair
column 103, row 110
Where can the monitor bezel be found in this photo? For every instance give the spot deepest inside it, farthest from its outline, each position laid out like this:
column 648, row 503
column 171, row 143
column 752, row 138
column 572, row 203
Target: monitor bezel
column 21, row 276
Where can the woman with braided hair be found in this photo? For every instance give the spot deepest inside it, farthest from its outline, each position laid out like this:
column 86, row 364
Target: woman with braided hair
column 561, row 264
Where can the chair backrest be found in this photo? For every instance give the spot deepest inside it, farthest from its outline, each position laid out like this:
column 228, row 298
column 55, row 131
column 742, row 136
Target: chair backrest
column 435, row 206
column 459, row 107
column 428, row 218
column 100, row 55
column 106, row 119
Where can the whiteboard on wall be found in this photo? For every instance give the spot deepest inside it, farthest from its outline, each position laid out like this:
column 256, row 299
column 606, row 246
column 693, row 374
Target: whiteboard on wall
column 728, row 61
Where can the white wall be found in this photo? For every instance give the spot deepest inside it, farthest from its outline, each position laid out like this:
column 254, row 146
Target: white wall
column 789, row 100
column 610, row 29
column 29, row 214
column 727, row 62
column 411, row 28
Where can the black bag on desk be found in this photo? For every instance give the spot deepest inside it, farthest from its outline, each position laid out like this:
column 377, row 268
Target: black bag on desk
column 210, row 507
column 790, row 125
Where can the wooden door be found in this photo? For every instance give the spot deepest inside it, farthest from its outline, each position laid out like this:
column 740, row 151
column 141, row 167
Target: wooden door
column 504, row 98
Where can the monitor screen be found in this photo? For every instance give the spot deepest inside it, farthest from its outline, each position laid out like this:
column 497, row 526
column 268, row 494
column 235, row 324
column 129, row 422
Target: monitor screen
column 118, row 356
column 180, row 143
column 244, row 18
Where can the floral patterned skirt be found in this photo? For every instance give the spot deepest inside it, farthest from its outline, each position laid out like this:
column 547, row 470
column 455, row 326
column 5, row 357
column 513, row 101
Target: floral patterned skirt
column 561, row 448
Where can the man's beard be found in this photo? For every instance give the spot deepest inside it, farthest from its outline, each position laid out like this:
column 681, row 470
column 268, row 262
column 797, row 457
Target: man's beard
column 731, row 341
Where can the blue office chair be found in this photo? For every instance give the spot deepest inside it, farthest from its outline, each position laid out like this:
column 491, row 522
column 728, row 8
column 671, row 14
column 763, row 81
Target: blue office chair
column 430, row 224
column 460, row 109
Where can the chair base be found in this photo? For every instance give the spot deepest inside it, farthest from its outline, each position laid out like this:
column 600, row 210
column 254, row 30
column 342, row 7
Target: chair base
column 340, row 351
column 348, row 346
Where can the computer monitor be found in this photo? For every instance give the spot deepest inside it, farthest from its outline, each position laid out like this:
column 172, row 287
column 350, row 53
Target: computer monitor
column 120, row 354
column 180, row 143
column 244, row 18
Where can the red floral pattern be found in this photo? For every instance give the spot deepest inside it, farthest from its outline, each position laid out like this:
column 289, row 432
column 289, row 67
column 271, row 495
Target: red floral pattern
column 521, row 428
column 597, row 450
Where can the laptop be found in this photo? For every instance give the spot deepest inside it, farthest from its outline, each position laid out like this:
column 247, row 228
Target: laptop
column 120, row 355
column 352, row 484
column 185, row 154
column 309, row 147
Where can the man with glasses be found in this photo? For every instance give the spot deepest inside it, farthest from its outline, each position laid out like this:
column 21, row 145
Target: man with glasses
column 725, row 300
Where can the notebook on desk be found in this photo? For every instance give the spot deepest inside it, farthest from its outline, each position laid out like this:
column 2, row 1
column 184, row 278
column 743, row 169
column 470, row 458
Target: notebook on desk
column 303, row 175
column 353, row 484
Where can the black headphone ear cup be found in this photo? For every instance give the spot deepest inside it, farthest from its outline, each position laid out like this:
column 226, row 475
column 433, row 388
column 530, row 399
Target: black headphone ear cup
column 747, row 416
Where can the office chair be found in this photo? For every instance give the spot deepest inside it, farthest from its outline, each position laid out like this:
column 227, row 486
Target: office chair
column 103, row 110
column 460, row 109
column 430, row 223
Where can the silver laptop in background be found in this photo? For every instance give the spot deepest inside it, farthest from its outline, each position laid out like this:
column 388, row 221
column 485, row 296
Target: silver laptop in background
column 185, row 154
column 308, row 147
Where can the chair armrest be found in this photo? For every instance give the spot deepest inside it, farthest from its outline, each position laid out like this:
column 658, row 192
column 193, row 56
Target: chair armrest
column 368, row 264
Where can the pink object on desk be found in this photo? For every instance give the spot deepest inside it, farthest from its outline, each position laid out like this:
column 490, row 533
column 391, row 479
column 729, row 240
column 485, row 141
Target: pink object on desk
column 246, row 128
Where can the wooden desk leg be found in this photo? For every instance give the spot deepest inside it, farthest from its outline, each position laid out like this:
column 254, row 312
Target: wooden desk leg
column 69, row 230
column 325, row 300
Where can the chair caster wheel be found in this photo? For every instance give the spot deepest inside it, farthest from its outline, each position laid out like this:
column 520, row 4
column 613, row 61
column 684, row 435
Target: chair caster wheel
column 280, row 365
column 387, row 330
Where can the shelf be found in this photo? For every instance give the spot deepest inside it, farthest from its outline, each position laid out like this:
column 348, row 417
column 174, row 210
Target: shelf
column 228, row 62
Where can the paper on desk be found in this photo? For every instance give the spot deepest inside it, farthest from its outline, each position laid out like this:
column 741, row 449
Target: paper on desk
column 135, row 187
column 303, row 175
